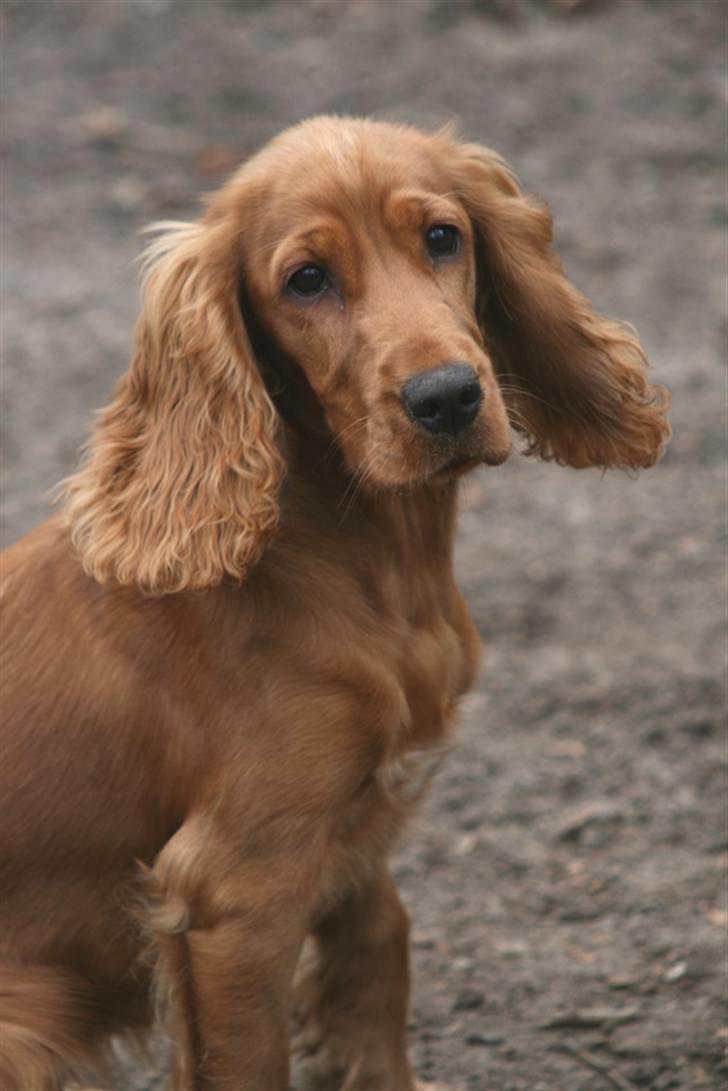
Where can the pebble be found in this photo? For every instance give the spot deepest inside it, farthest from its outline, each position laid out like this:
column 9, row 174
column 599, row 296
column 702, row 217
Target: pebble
column 468, row 1000
column 477, row 1038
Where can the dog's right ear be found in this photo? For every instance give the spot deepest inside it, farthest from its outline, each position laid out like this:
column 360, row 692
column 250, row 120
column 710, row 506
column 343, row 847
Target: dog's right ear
column 574, row 382
column 179, row 484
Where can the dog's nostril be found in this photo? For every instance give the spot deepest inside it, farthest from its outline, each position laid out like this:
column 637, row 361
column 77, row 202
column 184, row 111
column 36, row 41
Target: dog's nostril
column 471, row 394
column 443, row 400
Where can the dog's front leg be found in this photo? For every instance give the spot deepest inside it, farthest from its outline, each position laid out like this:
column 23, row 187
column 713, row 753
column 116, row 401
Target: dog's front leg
column 228, row 928
column 353, row 997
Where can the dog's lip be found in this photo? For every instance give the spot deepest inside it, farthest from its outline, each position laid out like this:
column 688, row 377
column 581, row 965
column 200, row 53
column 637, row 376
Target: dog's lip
column 458, row 464
column 496, row 458
column 463, row 462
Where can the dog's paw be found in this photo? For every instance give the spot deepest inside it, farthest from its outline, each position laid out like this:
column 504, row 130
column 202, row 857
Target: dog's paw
column 316, row 1067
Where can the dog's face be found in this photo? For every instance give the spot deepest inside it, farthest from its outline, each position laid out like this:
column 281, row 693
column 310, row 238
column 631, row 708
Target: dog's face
column 360, row 263
column 411, row 296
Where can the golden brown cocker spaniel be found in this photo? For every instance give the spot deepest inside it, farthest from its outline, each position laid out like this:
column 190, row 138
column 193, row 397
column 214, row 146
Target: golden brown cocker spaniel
column 224, row 662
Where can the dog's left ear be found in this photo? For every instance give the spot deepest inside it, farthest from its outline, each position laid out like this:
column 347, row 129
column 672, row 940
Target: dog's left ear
column 574, row 382
column 179, row 486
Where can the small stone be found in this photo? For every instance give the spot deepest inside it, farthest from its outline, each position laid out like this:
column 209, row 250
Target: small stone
column 425, row 941
column 479, row 1038
column 619, row 982
column 465, row 844
column 674, row 973
column 591, row 1017
column 596, row 815
column 104, row 123
column 468, row 1000
column 463, row 963
column 512, row 948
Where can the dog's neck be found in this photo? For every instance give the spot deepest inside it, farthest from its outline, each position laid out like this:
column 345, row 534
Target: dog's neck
column 320, row 489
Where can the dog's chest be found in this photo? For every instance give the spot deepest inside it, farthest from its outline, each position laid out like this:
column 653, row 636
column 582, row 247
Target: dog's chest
column 432, row 669
column 436, row 669
column 434, row 665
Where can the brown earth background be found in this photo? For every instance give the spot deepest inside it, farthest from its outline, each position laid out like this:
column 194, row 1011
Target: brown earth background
column 567, row 879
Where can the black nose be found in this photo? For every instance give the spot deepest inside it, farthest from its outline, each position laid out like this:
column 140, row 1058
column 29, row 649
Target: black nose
column 445, row 399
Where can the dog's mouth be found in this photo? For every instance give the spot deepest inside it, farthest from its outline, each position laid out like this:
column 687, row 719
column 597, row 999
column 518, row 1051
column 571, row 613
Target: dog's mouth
column 460, row 464
column 386, row 450
column 457, row 466
column 453, row 460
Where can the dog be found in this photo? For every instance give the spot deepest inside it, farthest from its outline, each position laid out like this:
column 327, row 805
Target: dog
column 229, row 659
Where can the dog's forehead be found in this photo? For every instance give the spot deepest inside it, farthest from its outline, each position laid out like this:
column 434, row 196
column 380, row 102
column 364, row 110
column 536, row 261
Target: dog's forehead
column 341, row 165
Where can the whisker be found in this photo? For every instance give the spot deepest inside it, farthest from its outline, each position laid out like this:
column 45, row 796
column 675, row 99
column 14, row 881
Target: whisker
column 559, row 411
column 350, row 428
column 359, row 479
column 524, row 393
column 350, row 489
column 335, row 443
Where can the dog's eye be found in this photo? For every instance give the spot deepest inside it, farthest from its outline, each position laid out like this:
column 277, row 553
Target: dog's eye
column 442, row 240
column 309, row 280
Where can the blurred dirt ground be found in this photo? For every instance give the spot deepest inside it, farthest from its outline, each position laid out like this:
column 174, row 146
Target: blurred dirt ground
column 567, row 879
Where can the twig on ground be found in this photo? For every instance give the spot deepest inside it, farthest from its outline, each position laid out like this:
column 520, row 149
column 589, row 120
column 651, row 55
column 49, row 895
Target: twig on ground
column 614, row 1078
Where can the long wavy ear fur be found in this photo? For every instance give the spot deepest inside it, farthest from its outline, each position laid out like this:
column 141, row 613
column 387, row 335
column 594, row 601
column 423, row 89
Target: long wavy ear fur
column 574, row 382
column 179, row 482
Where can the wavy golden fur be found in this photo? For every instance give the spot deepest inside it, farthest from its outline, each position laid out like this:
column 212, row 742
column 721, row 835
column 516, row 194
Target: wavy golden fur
column 231, row 666
column 180, row 483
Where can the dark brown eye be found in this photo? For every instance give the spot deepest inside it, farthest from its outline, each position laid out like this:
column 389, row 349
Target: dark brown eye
column 442, row 240
column 309, row 280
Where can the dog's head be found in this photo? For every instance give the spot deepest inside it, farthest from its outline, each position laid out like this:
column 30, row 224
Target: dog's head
column 397, row 282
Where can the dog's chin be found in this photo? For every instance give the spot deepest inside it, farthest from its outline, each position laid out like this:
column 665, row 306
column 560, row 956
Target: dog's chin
column 457, row 467
column 438, row 464
column 460, row 465
column 455, row 458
